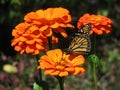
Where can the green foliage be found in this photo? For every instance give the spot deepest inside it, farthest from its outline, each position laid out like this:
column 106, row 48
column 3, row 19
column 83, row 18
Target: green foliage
column 93, row 59
column 36, row 87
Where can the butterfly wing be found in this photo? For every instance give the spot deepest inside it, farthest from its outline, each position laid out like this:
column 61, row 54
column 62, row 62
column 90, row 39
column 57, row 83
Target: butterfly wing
column 81, row 44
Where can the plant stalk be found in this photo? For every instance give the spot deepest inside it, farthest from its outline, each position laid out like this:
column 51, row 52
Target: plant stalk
column 40, row 71
column 50, row 43
column 94, row 64
column 61, row 82
column 94, row 76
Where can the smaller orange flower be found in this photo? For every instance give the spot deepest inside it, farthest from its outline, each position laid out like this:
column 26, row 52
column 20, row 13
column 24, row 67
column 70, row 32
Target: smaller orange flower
column 28, row 39
column 99, row 23
column 58, row 63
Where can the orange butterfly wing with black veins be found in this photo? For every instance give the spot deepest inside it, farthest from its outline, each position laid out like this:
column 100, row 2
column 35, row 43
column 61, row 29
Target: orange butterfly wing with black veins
column 80, row 44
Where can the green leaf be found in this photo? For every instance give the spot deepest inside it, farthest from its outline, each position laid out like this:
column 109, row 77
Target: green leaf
column 36, row 87
column 104, row 12
column 43, row 84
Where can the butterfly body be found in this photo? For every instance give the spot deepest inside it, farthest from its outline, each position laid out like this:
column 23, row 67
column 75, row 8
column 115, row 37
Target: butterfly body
column 84, row 30
column 80, row 43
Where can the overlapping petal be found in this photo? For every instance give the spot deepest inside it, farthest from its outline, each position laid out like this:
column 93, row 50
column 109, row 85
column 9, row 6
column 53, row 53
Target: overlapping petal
column 50, row 19
column 28, row 39
column 32, row 35
column 100, row 24
column 58, row 63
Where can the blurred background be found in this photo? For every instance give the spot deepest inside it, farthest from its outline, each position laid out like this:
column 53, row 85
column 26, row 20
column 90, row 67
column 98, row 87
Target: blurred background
column 18, row 72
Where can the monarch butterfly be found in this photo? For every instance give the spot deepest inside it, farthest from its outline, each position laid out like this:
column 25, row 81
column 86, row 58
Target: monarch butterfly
column 80, row 43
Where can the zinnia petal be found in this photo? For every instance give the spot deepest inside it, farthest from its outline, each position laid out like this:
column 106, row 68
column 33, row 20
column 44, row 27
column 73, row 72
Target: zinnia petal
column 100, row 24
column 58, row 63
column 63, row 73
column 37, row 27
column 78, row 60
column 79, row 70
column 62, row 32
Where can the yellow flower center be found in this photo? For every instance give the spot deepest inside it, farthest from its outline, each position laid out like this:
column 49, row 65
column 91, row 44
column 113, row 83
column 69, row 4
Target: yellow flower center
column 61, row 60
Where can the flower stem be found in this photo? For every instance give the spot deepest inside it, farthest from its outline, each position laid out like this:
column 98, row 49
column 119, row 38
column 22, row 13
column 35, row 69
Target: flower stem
column 40, row 75
column 50, row 42
column 40, row 71
column 94, row 64
column 94, row 43
column 61, row 82
column 94, row 76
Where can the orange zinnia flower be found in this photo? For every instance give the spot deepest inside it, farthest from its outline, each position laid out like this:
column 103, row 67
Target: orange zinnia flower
column 49, row 20
column 99, row 23
column 32, row 35
column 28, row 39
column 58, row 63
